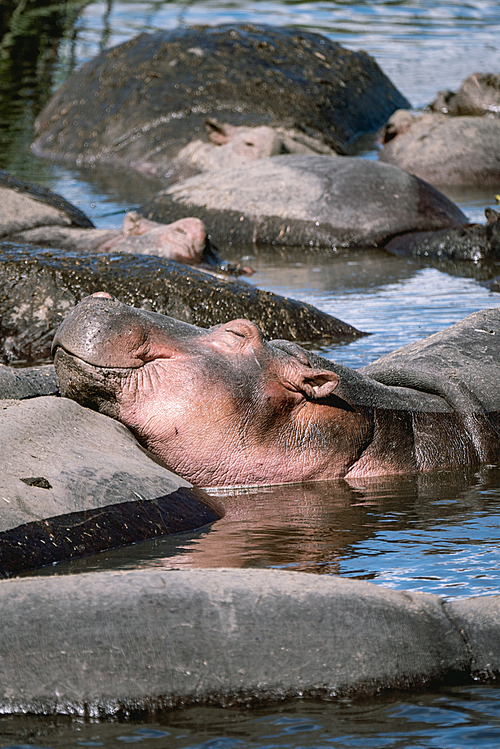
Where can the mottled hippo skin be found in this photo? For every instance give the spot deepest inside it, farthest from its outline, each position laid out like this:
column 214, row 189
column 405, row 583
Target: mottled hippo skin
column 141, row 103
column 39, row 287
column 314, row 201
column 223, row 407
column 34, row 215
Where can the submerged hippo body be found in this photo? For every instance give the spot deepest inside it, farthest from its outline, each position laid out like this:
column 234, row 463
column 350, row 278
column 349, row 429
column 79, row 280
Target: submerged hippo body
column 444, row 150
column 476, row 243
column 34, row 215
column 223, row 407
column 308, row 200
column 478, row 94
column 141, row 103
column 39, row 287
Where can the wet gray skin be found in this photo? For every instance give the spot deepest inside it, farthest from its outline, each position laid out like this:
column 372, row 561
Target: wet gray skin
column 141, row 103
column 444, row 150
column 473, row 243
column 479, row 94
column 224, row 407
column 310, row 201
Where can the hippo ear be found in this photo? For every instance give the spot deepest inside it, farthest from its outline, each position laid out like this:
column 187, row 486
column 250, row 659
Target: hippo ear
column 315, row 384
column 492, row 217
column 217, row 132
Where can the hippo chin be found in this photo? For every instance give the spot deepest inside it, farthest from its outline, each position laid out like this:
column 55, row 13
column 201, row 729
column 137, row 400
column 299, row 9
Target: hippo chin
column 224, row 407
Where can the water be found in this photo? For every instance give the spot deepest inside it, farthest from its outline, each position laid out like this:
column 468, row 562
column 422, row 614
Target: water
column 437, row 533
column 449, row 718
column 398, row 722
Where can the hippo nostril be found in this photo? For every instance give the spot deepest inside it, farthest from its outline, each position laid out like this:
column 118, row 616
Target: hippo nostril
column 101, row 295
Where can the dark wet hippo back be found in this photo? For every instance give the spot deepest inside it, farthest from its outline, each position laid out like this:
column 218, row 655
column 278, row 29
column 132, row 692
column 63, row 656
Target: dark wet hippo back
column 140, row 102
column 38, row 288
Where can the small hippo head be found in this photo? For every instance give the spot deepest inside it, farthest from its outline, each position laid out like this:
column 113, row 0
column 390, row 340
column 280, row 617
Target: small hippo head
column 230, row 146
column 220, row 406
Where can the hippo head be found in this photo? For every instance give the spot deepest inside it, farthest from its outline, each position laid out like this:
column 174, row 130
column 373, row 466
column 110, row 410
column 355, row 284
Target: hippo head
column 220, row 406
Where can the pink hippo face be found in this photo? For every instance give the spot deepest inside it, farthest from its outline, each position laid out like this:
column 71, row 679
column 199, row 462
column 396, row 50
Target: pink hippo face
column 184, row 241
column 229, row 146
column 220, row 406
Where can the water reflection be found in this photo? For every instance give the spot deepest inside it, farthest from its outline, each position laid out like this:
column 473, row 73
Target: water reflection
column 435, row 532
column 395, row 299
column 422, row 46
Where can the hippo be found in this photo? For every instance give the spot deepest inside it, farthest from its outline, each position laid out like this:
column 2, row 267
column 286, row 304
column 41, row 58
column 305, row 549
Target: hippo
column 38, row 287
column 231, row 146
column 228, row 637
column 35, row 215
column 444, row 150
column 225, row 408
column 141, row 104
column 476, row 243
column 74, row 482
column 308, row 200
column 20, row 383
column 478, row 94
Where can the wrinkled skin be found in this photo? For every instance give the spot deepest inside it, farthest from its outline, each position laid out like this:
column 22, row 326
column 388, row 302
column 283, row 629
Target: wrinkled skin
column 223, row 407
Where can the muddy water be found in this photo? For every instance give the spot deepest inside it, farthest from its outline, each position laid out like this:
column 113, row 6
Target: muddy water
column 437, row 533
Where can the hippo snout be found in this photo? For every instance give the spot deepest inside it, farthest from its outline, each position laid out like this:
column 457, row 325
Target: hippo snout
column 104, row 332
column 91, row 330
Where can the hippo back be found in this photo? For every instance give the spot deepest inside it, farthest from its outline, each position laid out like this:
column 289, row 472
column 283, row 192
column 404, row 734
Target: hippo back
column 24, row 206
column 461, row 364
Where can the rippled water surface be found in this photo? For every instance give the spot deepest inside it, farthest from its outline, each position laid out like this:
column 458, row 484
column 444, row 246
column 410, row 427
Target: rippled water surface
column 450, row 718
column 437, row 533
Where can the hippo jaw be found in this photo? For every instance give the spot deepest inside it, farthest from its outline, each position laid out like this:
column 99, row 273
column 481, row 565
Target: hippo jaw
column 221, row 407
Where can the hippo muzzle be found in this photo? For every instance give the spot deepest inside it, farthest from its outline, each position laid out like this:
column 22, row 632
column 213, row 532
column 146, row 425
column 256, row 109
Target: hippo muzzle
column 103, row 332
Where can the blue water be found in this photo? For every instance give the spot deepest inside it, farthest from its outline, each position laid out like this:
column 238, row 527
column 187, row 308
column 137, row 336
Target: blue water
column 436, row 534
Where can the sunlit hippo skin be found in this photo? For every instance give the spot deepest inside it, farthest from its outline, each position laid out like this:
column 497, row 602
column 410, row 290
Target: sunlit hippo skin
column 444, row 150
column 224, row 407
column 30, row 214
column 314, row 201
column 229, row 146
column 141, row 103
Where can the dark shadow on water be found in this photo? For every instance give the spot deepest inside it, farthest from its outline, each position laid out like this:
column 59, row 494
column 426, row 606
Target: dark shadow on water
column 460, row 717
